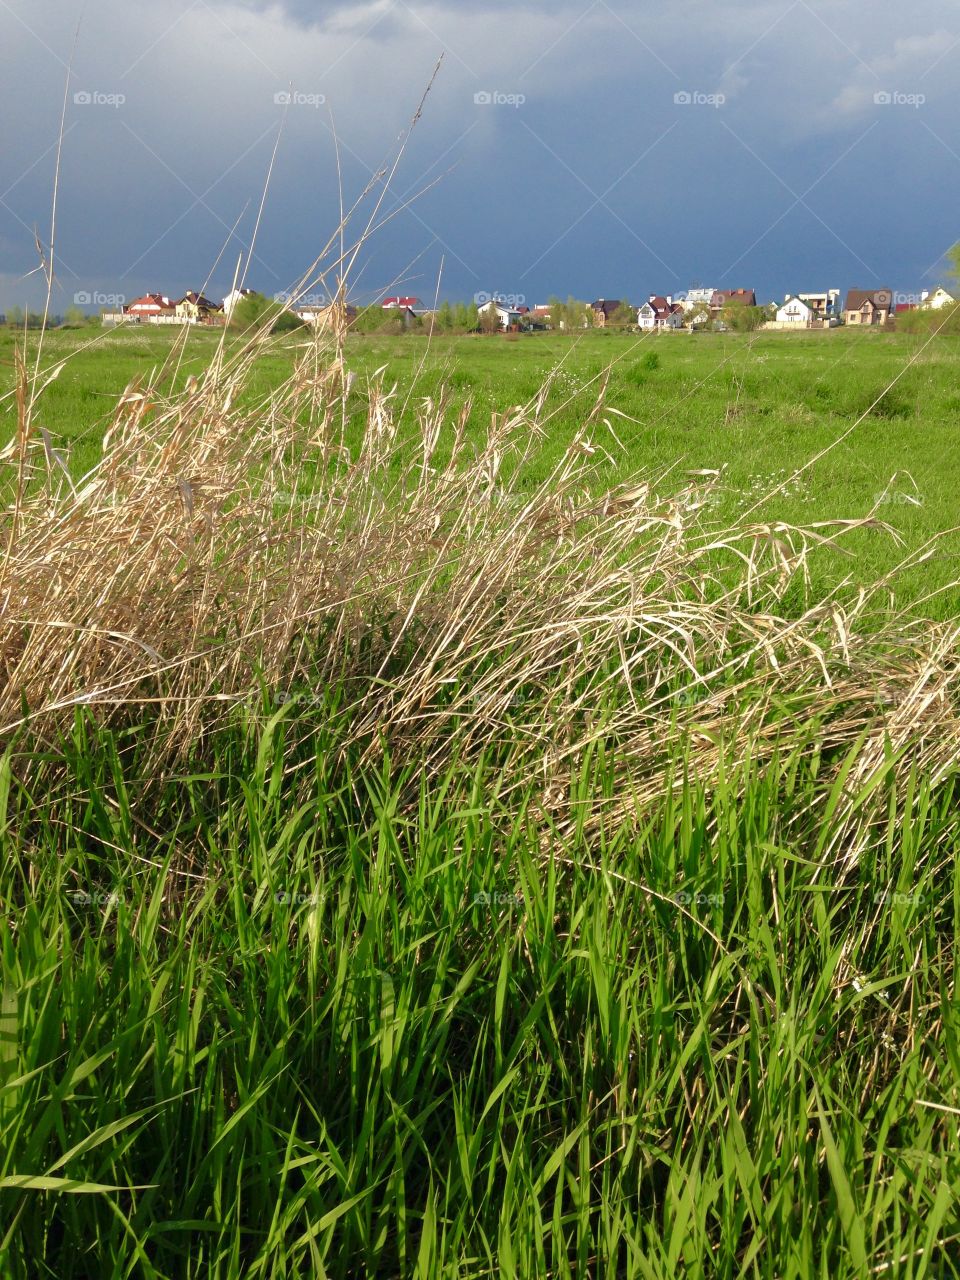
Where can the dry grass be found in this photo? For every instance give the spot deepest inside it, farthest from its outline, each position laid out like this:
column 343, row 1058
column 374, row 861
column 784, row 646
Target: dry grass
column 217, row 546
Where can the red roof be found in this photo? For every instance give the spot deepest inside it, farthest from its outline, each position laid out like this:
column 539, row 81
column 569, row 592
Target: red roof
column 905, row 306
column 151, row 302
column 400, row 302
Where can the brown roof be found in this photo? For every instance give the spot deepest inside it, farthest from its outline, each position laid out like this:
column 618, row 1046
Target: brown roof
column 198, row 300
column 881, row 299
column 722, row 296
column 662, row 308
column 607, row 305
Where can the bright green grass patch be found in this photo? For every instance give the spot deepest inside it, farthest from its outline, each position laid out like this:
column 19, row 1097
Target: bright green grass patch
column 386, row 1030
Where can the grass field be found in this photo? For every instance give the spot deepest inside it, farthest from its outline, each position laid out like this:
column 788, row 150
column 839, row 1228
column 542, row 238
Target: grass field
column 439, row 884
column 759, row 408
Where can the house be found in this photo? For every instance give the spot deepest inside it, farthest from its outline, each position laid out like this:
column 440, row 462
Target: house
column 660, row 313
column 327, row 315
column 722, row 297
column 604, row 309
column 507, row 317
column 868, row 306
column 194, row 308
column 825, row 306
column 797, row 313
column 401, row 304
column 151, row 307
column 232, row 298
column 694, row 298
column 937, row 299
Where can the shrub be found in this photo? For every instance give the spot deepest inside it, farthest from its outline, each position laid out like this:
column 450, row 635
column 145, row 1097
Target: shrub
column 256, row 312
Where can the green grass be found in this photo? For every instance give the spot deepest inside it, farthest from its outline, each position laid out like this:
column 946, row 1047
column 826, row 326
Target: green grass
column 759, row 408
column 320, row 1021
column 294, row 1005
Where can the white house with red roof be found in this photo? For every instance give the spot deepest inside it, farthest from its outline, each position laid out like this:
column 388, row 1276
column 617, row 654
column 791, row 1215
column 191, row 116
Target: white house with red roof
column 660, row 313
column 150, row 307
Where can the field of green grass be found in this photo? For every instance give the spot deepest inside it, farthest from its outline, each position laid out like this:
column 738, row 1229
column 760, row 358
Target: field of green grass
column 437, row 887
column 757, row 407
column 382, row 1031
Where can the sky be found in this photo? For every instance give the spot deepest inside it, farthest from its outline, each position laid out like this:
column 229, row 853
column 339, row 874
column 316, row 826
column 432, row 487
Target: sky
column 597, row 148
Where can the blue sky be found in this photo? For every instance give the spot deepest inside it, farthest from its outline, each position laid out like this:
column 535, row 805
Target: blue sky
column 591, row 147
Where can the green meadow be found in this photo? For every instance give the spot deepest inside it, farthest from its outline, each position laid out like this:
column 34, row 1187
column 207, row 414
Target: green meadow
column 757, row 408
column 464, row 880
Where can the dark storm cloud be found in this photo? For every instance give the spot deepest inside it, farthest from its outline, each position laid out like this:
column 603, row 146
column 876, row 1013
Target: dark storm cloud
column 590, row 146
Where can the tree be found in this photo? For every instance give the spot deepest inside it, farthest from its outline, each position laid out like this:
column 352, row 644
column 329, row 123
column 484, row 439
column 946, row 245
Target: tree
column 444, row 318
column 570, row 315
column 698, row 317
column 368, row 319
column 624, row 314
column 15, row 317
column 391, row 322
column 490, row 319
column 464, row 318
column 743, row 319
column 953, row 257
column 74, row 317
column 256, row 311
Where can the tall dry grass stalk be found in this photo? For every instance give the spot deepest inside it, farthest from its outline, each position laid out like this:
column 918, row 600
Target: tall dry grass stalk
column 225, row 541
